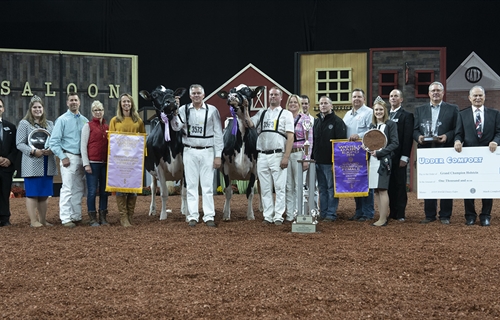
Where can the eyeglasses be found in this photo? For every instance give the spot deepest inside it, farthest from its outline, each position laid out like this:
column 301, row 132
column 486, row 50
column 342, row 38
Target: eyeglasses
column 98, row 110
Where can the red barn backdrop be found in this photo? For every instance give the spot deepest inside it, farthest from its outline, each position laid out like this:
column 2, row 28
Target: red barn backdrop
column 252, row 77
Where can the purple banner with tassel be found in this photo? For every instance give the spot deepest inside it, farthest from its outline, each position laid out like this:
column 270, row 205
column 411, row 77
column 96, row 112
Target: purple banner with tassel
column 350, row 169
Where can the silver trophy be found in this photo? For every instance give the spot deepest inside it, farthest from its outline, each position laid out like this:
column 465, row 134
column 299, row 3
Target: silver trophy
column 430, row 131
column 306, row 219
column 39, row 138
column 307, row 124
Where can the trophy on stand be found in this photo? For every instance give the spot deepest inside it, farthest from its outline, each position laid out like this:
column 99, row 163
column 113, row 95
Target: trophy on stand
column 306, row 219
column 430, row 133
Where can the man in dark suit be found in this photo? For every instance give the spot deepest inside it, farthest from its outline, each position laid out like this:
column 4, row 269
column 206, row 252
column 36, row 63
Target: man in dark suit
column 397, row 182
column 443, row 117
column 477, row 126
column 8, row 154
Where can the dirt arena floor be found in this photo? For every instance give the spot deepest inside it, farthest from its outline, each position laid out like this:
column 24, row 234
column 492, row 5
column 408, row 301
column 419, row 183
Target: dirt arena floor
column 247, row 270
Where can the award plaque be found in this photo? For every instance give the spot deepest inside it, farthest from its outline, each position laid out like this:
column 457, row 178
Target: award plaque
column 38, row 138
column 374, row 139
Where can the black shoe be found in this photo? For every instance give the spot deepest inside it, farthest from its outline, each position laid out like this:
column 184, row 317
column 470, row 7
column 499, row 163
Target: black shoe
column 445, row 221
column 192, row 223
column 354, row 218
column 363, row 219
column 485, row 222
column 401, row 219
column 470, row 221
column 427, row 220
column 210, row 223
column 5, row 224
column 266, row 222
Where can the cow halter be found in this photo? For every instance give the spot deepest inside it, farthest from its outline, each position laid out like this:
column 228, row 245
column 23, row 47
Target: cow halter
column 234, row 129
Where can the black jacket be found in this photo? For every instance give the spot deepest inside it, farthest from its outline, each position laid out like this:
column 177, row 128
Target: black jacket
column 325, row 129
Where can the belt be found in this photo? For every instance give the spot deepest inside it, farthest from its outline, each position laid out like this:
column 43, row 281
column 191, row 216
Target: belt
column 75, row 154
column 297, row 149
column 199, row 148
column 271, row 151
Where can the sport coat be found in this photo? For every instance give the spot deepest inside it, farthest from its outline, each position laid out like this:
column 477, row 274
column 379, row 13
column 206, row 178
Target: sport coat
column 447, row 117
column 404, row 120
column 8, row 147
column 465, row 130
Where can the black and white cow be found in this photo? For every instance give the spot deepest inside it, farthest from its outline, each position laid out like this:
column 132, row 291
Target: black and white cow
column 164, row 147
column 239, row 156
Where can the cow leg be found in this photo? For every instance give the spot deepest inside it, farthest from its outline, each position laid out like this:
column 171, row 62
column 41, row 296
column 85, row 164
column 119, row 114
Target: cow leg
column 163, row 191
column 228, row 192
column 184, row 206
column 250, row 193
column 152, row 206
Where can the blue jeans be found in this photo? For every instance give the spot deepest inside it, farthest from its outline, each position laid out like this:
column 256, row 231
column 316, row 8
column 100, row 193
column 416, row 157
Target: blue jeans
column 364, row 206
column 94, row 180
column 327, row 203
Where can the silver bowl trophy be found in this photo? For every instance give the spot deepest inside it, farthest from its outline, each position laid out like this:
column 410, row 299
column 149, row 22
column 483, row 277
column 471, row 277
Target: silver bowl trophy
column 306, row 219
column 38, row 139
column 430, row 132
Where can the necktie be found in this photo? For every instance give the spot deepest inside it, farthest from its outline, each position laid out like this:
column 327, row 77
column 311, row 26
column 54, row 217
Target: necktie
column 479, row 130
column 392, row 114
column 1, row 131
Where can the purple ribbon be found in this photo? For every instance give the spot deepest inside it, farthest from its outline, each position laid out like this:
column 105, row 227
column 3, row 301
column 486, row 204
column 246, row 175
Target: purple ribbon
column 164, row 118
column 235, row 121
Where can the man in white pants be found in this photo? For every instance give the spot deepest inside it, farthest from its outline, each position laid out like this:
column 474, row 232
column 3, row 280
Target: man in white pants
column 274, row 144
column 202, row 138
column 65, row 144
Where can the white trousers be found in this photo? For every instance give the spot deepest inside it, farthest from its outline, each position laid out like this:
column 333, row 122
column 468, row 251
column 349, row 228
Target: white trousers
column 72, row 189
column 294, row 178
column 271, row 175
column 199, row 170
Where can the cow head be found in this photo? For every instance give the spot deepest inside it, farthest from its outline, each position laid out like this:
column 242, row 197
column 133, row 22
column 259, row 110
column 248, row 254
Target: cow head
column 239, row 97
column 163, row 99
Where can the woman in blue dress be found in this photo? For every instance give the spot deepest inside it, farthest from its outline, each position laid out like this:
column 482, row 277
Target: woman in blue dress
column 38, row 165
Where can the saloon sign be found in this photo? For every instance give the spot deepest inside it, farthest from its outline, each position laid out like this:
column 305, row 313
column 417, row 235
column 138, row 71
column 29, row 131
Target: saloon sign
column 52, row 74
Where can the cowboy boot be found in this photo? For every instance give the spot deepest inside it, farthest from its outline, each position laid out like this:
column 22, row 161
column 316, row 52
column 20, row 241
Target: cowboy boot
column 93, row 219
column 121, row 202
column 102, row 217
column 131, row 200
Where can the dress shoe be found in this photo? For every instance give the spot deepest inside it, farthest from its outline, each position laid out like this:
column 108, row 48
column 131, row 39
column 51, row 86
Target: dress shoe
column 485, row 222
column 278, row 223
column 192, row 223
column 427, row 220
column 445, row 221
column 363, row 219
column 210, row 223
column 354, row 218
column 266, row 222
column 401, row 219
column 382, row 225
column 36, row 224
column 470, row 222
column 5, row 224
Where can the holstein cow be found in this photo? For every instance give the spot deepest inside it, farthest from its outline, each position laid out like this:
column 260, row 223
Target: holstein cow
column 239, row 156
column 164, row 147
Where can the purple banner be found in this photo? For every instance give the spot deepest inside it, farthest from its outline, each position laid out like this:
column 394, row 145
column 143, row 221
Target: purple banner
column 350, row 169
column 125, row 162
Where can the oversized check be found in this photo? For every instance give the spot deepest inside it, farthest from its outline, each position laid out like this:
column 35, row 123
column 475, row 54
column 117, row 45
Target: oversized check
column 444, row 173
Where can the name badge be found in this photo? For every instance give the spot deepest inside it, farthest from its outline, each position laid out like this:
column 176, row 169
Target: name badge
column 196, row 130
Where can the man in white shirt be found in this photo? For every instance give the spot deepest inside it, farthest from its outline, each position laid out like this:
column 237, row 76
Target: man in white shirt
column 275, row 128
column 358, row 121
column 202, row 138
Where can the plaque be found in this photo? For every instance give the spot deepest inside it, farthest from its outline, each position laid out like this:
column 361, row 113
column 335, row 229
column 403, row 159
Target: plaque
column 38, row 138
column 374, row 139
